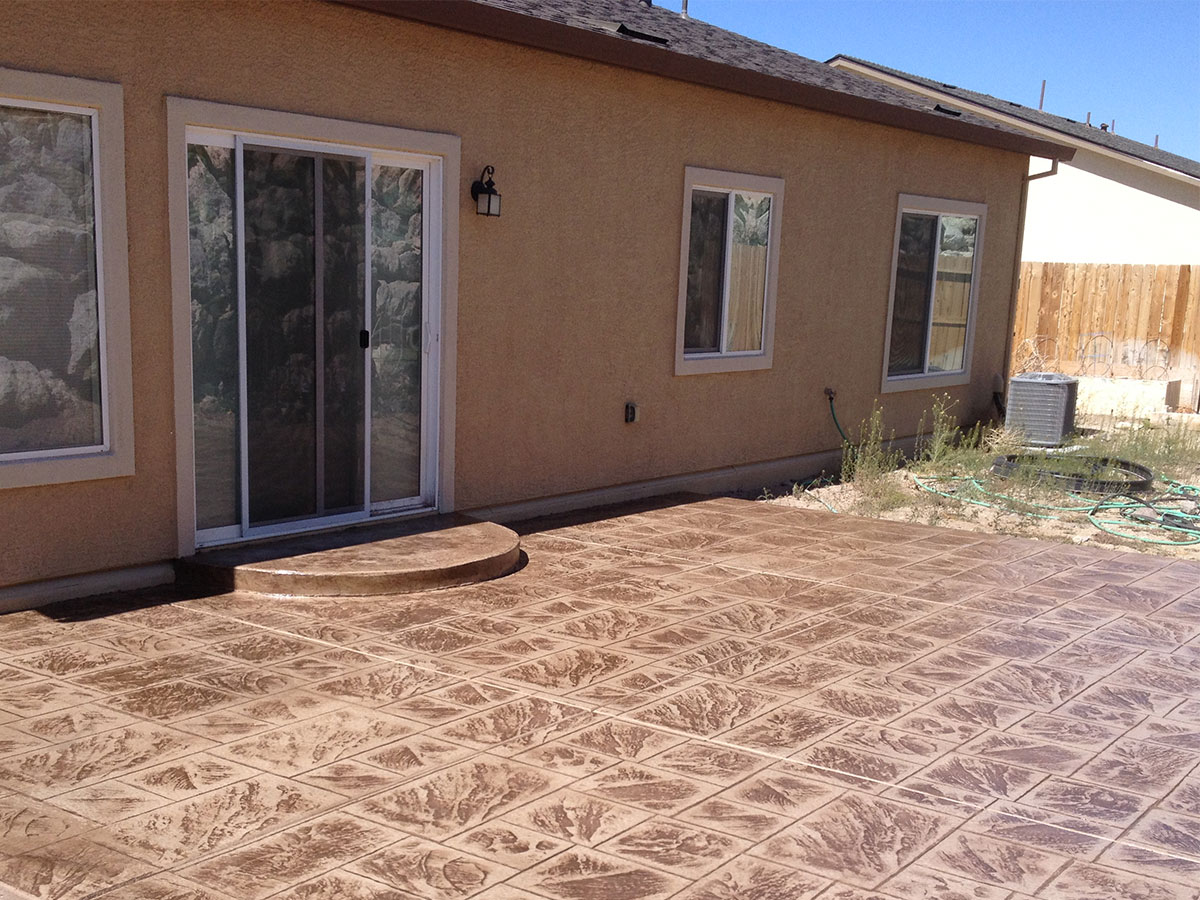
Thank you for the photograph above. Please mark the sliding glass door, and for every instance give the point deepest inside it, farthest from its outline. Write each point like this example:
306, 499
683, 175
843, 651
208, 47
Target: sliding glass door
312, 400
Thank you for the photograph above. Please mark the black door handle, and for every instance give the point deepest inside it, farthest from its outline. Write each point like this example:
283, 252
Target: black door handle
364, 339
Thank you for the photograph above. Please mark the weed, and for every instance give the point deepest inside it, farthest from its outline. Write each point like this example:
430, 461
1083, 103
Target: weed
943, 435
957, 462
947, 449
869, 465
1171, 448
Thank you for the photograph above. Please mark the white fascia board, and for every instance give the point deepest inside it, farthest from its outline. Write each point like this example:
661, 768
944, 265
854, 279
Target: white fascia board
1016, 122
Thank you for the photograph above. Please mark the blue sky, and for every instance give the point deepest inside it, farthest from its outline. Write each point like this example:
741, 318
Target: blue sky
1135, 61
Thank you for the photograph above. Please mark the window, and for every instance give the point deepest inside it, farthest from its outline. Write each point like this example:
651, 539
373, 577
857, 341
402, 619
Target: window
727, 272
64, 345
934, 286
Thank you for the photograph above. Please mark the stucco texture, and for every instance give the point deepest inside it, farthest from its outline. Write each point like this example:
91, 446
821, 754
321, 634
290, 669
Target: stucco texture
567, 303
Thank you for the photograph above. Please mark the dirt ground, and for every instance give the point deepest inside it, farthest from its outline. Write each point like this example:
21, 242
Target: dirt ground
928, 509
1166, 442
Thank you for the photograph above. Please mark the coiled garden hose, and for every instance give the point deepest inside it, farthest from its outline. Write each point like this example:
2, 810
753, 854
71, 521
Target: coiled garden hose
1163, 514
1170, 518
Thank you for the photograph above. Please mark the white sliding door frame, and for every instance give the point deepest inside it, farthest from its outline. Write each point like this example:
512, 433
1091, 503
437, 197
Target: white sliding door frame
437, 156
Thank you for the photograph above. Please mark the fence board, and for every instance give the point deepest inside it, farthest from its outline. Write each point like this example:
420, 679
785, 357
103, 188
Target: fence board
1031, 286
1098, 319
747, 285
1064, 306
1080, 291
1158, 301
1190, 350
1038, 281
1170, 291
1146, 323
1108, 319
1112, 298
1051, 299
1127, 300
1179, 310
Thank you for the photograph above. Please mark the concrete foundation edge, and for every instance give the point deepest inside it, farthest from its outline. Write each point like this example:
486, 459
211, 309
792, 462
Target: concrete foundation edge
750, 476
42, 593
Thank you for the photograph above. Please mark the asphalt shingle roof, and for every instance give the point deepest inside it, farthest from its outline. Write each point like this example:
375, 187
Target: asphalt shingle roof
1060, 124
650, 38
692, 37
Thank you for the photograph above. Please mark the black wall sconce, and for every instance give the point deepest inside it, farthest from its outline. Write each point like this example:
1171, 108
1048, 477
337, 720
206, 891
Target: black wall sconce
484, 193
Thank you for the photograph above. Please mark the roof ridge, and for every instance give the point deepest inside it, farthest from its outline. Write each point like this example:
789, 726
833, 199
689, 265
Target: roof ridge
1064, 125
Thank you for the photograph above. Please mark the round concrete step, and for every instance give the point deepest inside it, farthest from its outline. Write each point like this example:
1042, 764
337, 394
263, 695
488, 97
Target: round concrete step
360, 563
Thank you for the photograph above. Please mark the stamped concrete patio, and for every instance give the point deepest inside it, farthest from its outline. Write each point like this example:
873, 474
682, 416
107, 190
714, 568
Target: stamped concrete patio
716, 699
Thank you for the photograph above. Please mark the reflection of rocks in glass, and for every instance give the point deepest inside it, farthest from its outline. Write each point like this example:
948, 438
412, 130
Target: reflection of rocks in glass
344, 186
280, 217
282, 275
83, 328
396, 277
958, 235
213, 266
41, 410
49, 339
751, 220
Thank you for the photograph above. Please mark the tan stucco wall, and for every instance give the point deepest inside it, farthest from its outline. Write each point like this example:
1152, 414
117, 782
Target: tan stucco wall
567, 303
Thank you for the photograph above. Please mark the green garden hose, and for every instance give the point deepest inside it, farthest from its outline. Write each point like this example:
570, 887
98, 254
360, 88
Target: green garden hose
1161, 519
831, 393
819, 500
1158, 520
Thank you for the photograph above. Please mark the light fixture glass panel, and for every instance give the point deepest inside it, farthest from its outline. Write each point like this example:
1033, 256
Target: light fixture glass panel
487, 204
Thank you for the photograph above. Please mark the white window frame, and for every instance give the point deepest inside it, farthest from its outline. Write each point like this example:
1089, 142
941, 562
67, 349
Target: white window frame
199, 118
700, 363
102, 102
934, 206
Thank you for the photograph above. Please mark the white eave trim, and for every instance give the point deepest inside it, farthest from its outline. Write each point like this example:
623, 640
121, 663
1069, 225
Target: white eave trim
1013, 121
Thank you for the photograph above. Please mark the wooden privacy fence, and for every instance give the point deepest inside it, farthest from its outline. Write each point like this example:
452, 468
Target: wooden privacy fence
948, 327
747, 288
1108, 319
951, 301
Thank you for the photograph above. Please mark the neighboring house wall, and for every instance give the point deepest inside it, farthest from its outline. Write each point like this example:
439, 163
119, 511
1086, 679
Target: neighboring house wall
567, 303
1100, 210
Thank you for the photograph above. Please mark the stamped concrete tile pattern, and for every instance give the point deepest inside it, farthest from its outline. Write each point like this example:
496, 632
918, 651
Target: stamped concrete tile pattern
69, 869
189, 829
683, 699
578, 817
580, 873
465, 794
857, 838
426, 869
